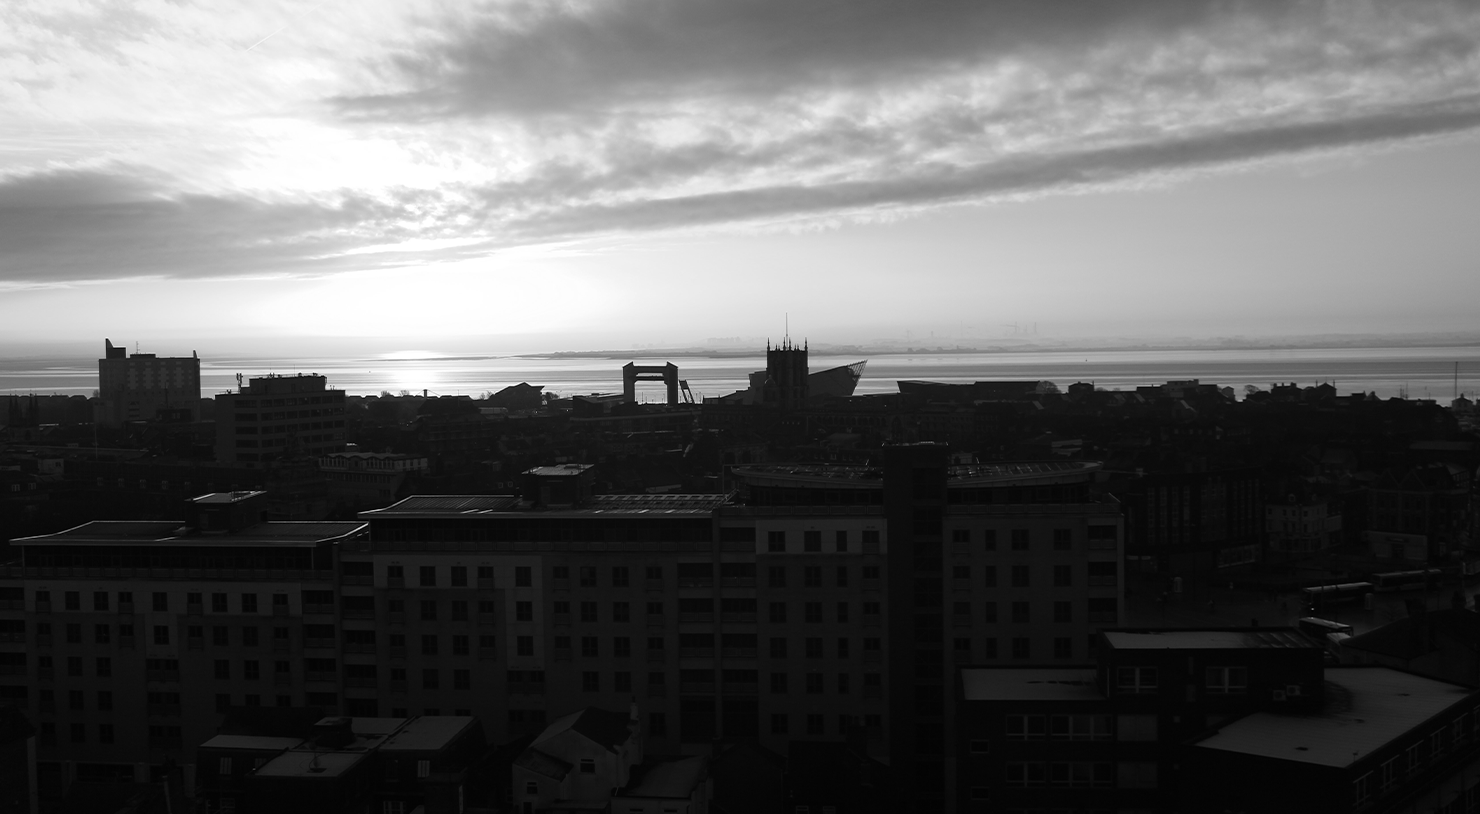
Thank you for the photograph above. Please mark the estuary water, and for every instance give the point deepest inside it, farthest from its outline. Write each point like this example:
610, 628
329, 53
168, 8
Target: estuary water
1418, 372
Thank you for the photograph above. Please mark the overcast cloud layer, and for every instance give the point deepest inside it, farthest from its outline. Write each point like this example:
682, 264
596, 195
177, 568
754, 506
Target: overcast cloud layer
226, 139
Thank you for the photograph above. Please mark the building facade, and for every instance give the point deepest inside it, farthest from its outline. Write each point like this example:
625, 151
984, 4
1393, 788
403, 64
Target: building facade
136, 388
275, 417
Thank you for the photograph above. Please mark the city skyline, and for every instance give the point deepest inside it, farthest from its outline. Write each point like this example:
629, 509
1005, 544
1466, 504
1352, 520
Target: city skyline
604, 175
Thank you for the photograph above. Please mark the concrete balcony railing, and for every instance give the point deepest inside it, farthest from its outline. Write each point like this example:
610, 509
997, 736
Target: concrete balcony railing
747, 616
695, 617
317, 609
696, 652
737, 652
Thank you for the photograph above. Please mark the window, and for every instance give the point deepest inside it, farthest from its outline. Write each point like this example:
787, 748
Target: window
1020, 539
813, 612
1063, 612
523, 576
587, 576
251, 670
989, 648
1226, 680
249, 637
1063, 648
814, 647
621, 612
249, 603
814, 724
221, 636
1362, 789
780, 723
961, 645
429, 678
776, 542
655, 609
1021, 648
588, 611
812, 541
104, 667
657, 723
1102, 574
74, 633
812, 576
1136, 728
589, 647
100, 600
622, 647
459, 575
1135, 775
1135, 680
424, 767
619, 576
72, 600
778, 683
776, 576
1063, 539
778, 648
814, 683
623, 681
591, 681
870, 572
524, 611
842, 576
1063, 576
843, 648
460, 645
223, 669
161, 634
429, 644
74, 666
960, 572
105, 733
524, 645
840, 542
1102, 610
560, 572
459, 610
462, 679
428, 610
1025, 775
1020, 576
654, 572
531, 787
1021, 613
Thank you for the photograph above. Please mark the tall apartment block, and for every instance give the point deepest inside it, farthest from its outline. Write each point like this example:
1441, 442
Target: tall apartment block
136, 388
815, 602
275, 417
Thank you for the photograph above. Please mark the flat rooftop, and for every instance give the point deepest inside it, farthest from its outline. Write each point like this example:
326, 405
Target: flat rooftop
1029, 684
265, 743
450, 506
1365, 708
427, 733
1230, 639
310, 763
274, 533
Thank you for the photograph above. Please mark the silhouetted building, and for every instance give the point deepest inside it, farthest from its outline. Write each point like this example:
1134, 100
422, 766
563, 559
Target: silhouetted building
136, 388
276, 417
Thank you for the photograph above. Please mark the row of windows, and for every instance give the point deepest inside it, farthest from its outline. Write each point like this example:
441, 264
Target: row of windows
1099, 537
1125, 775
777, 541
160, 601
1414, 758
1098, 574
1020, 647
1216, 680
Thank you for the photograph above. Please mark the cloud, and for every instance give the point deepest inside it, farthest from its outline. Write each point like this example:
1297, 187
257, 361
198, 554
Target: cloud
152, 143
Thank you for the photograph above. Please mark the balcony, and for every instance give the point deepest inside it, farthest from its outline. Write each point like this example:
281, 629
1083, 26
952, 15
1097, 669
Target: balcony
12, 669
356, 647
356, 580
705, 687
320, 643
1103, 581
12, 604
748, 616
526, 688
696, 652
315, 608
696, 582
870, 547
695, 617
321, 675
359, 613
164, 742
737, 582
742, 687
360, 683
737, 652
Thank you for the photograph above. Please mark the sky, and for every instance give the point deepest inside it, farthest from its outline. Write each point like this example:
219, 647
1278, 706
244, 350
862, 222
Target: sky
563, 174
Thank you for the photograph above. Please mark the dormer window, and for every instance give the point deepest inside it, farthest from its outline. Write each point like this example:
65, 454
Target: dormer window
588, 766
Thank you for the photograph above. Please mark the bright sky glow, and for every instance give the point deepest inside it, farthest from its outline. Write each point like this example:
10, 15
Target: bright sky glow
632, 171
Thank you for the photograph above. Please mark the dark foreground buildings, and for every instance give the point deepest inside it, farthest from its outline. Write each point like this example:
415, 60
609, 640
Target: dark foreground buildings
816, 603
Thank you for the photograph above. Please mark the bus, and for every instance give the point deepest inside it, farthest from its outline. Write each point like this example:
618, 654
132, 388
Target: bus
1406, 580
1323, 596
